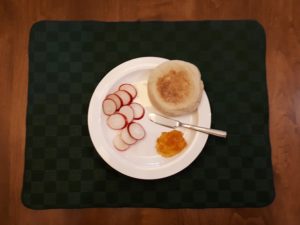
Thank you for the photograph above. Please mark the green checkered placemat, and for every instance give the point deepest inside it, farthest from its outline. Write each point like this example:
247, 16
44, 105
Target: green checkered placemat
66, 62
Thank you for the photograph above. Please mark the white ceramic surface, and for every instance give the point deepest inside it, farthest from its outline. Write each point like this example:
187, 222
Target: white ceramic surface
141, 159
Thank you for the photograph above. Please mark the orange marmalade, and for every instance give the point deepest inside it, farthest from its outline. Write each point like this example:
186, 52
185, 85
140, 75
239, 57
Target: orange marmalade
170, 143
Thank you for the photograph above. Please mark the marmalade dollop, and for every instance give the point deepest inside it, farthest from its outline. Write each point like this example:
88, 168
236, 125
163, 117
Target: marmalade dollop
170, 143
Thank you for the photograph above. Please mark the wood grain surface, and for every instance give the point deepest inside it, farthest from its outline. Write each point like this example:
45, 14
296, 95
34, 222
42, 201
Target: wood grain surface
281, 20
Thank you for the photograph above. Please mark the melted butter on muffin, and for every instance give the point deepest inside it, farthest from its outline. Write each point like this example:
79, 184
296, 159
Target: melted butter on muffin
174, 86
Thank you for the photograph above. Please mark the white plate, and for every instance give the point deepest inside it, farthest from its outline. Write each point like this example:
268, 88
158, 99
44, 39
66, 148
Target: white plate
141, 159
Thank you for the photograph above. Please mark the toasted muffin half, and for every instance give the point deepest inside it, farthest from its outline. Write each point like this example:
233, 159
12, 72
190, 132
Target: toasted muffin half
175, 87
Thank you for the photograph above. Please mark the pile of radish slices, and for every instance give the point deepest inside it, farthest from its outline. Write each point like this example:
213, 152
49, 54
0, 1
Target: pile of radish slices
122, 113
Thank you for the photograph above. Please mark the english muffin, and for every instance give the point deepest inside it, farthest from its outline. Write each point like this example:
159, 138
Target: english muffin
175, 87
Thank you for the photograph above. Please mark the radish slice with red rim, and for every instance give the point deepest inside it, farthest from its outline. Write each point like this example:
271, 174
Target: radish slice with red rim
125, 136
109, 107
129, 88
119, 144
136, 131
127, 111
116, 99
117, 121
138, 110
124, 96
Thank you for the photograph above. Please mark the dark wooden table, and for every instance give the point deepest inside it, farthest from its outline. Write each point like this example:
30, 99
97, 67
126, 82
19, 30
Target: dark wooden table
281, 19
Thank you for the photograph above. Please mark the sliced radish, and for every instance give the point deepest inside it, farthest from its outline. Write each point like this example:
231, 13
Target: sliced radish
125, 136
127, 111
109, 107
136, 131
129, 88
117, 121
138, 110
116, 99
125, 97
119, 144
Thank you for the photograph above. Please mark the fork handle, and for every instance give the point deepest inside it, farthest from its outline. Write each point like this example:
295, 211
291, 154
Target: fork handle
218, 133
